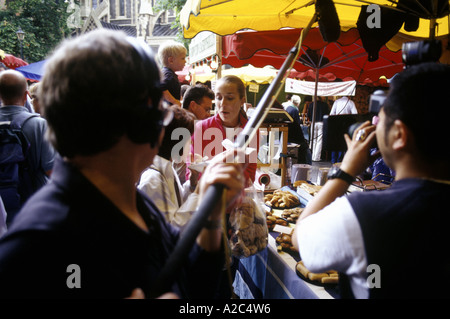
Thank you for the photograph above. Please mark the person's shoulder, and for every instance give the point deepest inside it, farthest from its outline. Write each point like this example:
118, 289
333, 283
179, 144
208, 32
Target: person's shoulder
291, 109
44, 211
167, 71
210, 121
16, 112
157, 214
153, 175
35, 125
31, 118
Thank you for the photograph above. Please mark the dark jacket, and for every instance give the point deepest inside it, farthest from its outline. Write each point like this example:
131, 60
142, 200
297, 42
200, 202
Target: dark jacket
69, 229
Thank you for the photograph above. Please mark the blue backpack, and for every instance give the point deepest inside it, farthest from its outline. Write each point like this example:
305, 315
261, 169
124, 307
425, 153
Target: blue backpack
15, 180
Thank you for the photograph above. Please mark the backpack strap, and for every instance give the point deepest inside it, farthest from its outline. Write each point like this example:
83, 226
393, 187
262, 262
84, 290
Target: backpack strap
20, 119
16, 125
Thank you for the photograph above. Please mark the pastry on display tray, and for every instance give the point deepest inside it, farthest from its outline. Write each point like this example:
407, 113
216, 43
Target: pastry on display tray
272, 220
292, 214
306, 190
307, 187
286, 217
330, 277
281, 199
284, 242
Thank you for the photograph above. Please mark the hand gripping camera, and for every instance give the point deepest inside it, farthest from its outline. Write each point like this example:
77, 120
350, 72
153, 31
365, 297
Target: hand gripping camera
336, 126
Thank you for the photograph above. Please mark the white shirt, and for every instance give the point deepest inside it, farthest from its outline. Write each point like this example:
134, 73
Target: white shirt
343, 106
158, 182
286, 104
332, 239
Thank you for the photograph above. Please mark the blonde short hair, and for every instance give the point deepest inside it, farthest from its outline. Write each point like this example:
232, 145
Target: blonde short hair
34, 89
170, 49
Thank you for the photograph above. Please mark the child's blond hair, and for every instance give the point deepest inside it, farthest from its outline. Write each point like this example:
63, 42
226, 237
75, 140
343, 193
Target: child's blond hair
170, 49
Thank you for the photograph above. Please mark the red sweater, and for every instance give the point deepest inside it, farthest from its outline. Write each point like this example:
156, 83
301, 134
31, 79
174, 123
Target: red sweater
207, 141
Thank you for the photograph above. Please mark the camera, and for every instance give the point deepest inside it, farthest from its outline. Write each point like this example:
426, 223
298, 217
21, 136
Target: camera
377, 100
336, 126
421, 51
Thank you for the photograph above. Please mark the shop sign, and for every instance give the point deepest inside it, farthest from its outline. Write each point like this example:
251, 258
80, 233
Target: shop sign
253, 88
203, 45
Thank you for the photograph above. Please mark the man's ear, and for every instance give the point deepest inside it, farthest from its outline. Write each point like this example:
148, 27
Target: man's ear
192, 106
25, 96
401, 135
160, 138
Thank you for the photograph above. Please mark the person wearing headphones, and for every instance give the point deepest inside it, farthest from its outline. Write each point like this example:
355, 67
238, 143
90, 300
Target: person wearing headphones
90, 233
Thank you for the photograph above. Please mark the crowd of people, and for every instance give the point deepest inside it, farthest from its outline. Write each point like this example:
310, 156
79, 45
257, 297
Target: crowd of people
113, 156
106, 125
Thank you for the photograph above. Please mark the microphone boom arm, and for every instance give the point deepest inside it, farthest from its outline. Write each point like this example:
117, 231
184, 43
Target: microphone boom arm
213, 194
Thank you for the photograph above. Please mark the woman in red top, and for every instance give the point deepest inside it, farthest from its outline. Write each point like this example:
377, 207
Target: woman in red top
228, 122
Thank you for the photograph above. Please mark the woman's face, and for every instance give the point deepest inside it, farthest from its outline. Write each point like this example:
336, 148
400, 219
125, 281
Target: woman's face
228, 103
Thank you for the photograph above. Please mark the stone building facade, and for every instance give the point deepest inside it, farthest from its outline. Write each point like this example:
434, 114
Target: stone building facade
136, 17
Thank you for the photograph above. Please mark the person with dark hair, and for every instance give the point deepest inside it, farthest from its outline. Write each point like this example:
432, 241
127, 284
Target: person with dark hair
288, 100
184, 88
198, 100
295, 134
375, 238
207, 84
161, 182
90, 233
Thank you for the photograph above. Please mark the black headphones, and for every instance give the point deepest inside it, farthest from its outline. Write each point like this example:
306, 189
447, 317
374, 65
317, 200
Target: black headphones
147, 119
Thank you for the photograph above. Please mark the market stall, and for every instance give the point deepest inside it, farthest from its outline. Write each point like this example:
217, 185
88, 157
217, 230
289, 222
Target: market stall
271, 274
277, 271
345, 58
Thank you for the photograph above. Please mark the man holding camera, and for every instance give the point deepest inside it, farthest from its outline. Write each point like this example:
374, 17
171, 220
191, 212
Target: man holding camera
379, 241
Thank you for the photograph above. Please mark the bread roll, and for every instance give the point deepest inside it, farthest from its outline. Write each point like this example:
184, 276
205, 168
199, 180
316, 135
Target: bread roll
317, 277
330, 280
302, 269
281, 199
328, 277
